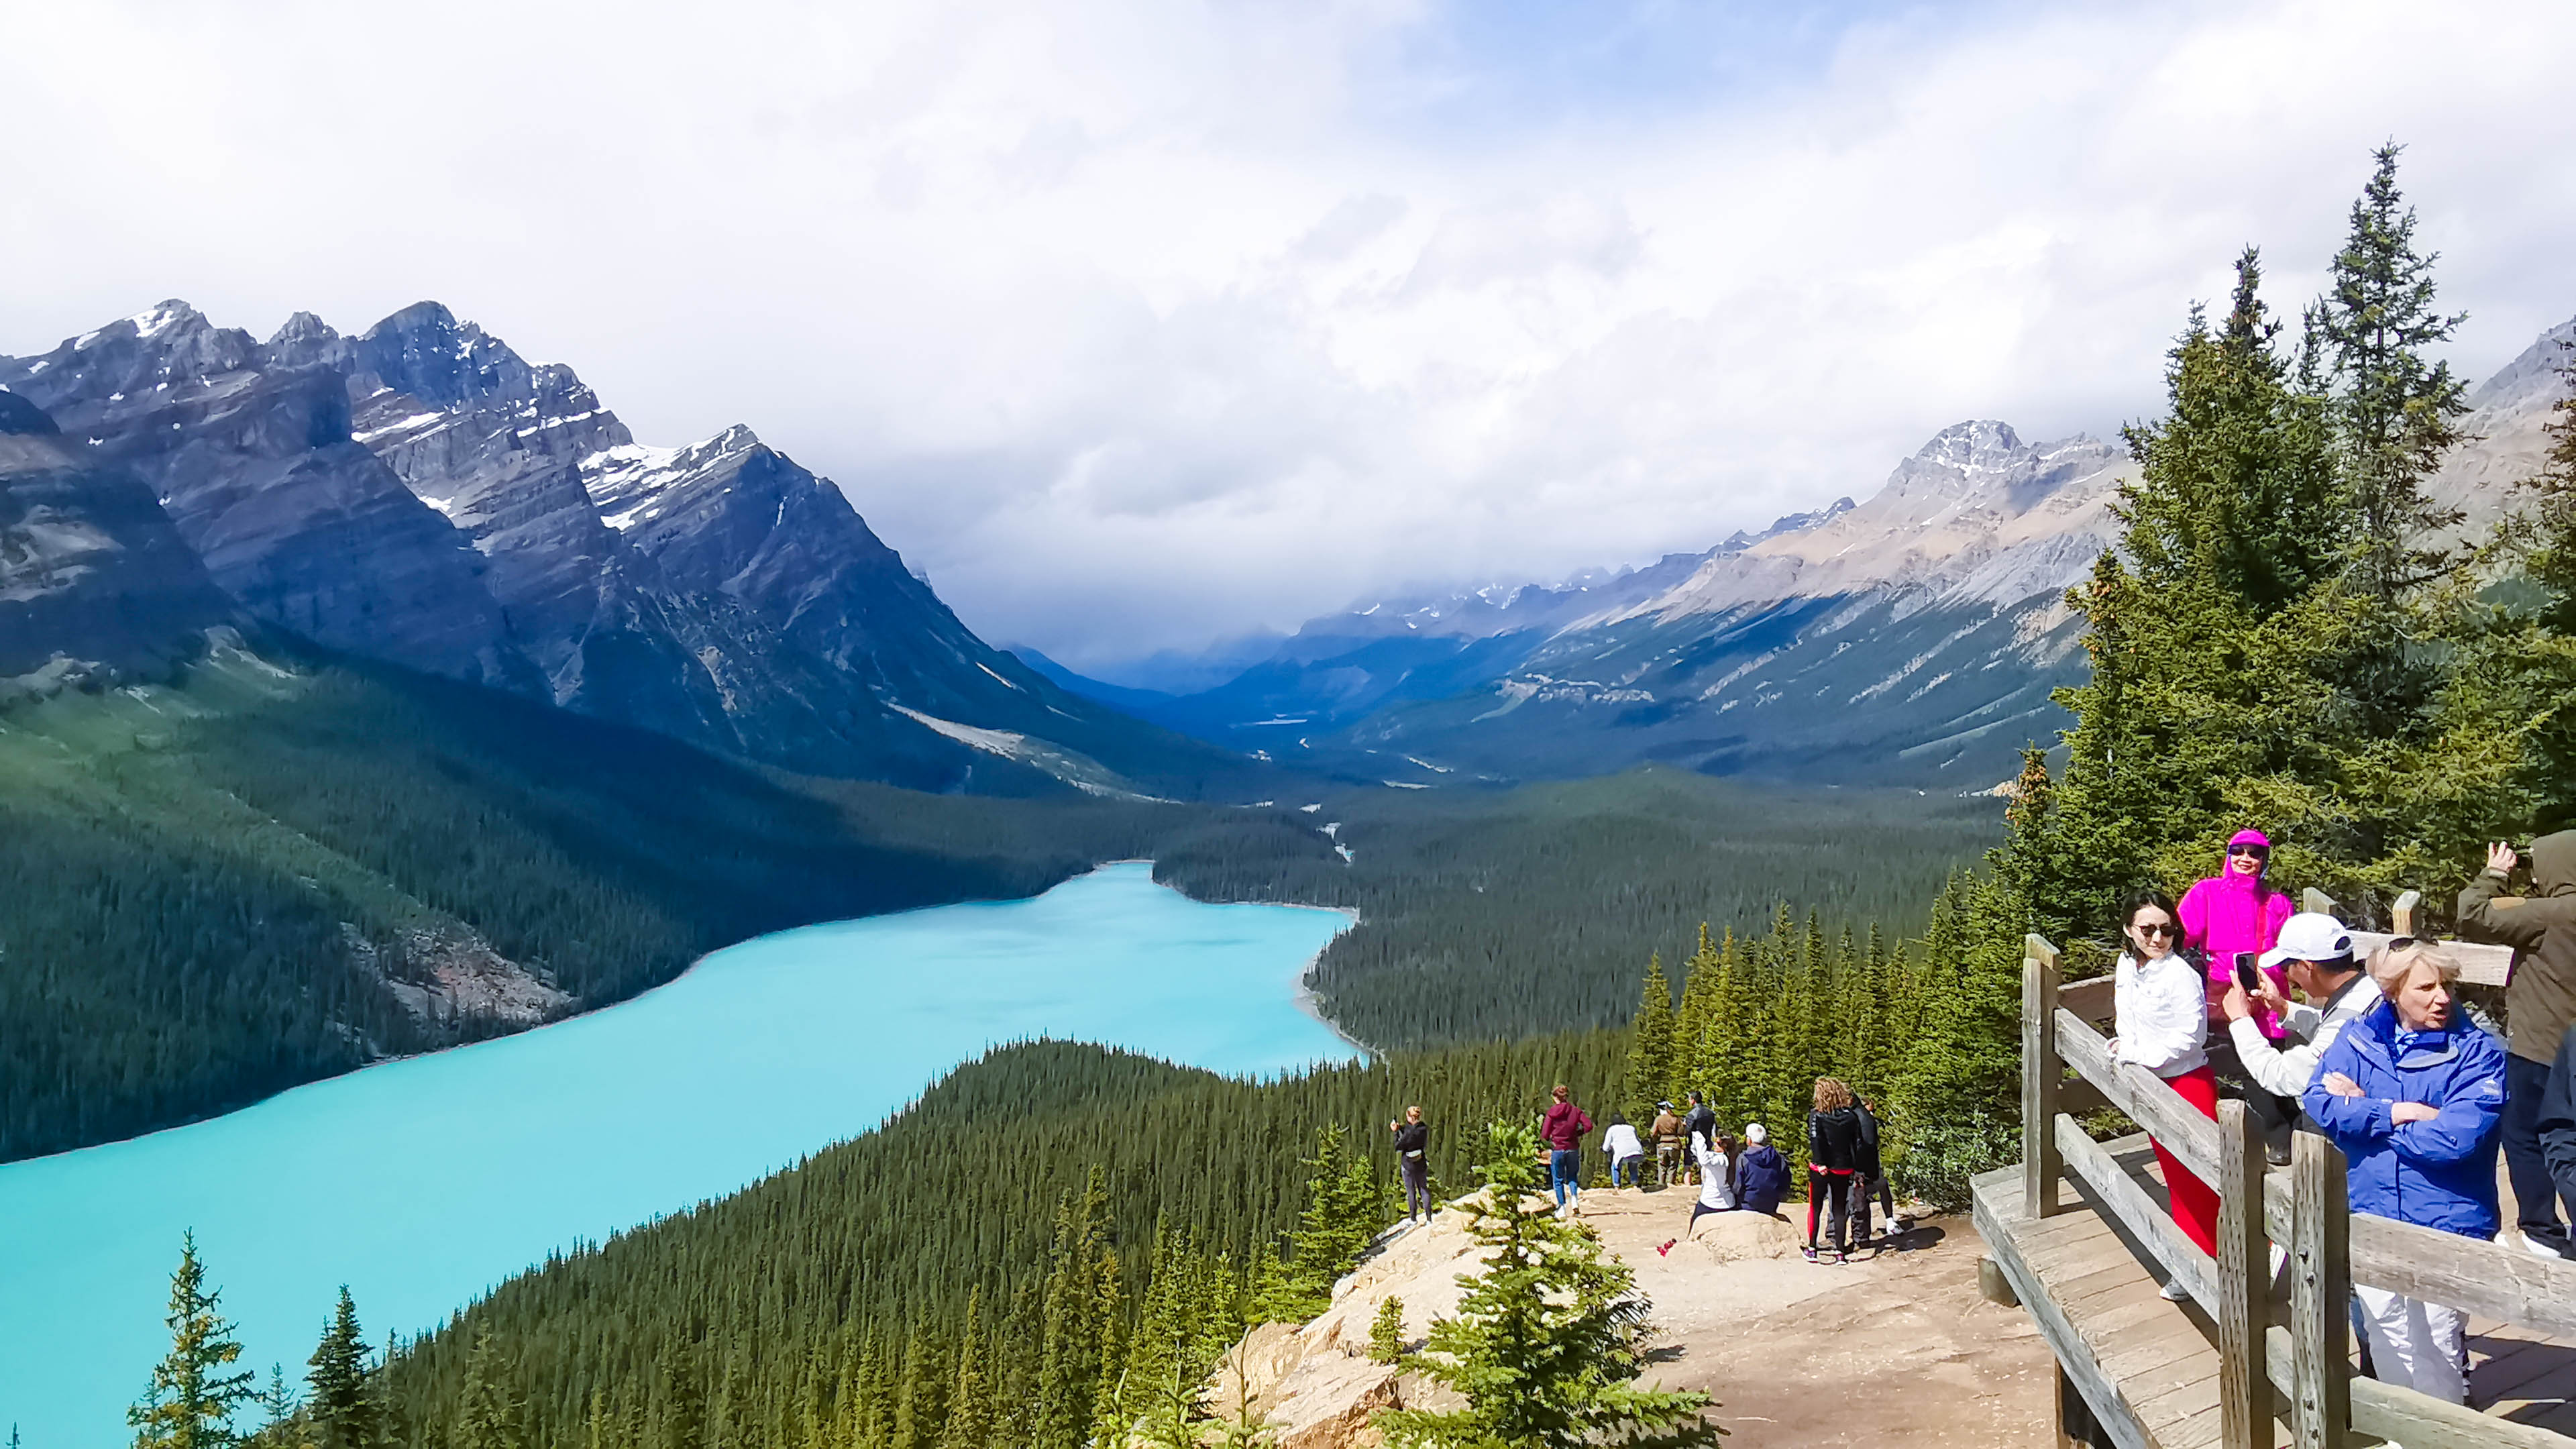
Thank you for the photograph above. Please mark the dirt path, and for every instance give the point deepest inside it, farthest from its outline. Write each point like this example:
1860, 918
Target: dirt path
1896, 1350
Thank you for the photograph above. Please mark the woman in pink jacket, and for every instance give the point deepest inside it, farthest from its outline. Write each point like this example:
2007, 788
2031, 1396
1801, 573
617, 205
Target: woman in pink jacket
2233, 911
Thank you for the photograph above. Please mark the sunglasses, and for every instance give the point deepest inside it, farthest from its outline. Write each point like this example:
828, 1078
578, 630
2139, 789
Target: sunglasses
2255, 851
2160, 928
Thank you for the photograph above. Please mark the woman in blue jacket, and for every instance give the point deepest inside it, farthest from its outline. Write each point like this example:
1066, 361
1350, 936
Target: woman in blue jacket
2414, 1097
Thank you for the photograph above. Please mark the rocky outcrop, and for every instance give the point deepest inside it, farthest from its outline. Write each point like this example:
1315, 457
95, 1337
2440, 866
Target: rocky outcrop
95, 582
453, 982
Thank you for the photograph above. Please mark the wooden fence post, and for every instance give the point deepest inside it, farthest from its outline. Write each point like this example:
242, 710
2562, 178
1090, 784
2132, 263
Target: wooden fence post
2320, 1295
2401, 916
2040, 1166
2317, 901
2243, 1308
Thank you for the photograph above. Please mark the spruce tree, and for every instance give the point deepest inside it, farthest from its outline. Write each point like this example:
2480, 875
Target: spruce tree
1650, 1060
2396, 411
345, 1409
970, 1404
1386, 1331
1545, 1347
487, 1411
191, 1400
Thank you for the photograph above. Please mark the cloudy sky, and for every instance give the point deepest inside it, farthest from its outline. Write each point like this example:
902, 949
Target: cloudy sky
1136, 324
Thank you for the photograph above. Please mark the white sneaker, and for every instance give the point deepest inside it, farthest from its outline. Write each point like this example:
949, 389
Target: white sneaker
2537, 1247
2174, 1292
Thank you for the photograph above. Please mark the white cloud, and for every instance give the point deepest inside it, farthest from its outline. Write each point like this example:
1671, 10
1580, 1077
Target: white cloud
1140, 323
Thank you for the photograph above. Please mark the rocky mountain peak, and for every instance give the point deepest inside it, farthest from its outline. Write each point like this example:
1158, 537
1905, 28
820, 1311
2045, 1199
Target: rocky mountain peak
1976, 443
424, 351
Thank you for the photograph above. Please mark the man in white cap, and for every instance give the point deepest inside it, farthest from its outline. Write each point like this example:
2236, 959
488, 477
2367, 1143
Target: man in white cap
2316, 954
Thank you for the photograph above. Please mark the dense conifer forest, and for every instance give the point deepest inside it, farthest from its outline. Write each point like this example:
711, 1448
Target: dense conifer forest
196, 881
1001, 1240
1491, 915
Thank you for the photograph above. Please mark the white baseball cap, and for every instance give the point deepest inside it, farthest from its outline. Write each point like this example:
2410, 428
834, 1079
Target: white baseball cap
2310, 936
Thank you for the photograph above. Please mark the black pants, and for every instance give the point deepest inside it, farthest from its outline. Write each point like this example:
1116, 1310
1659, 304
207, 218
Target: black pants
1838, 1195
2535, 1193
2274, 1115
1417, 1186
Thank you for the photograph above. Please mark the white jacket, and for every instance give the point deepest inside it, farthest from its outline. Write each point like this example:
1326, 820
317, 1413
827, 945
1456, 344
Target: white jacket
2162, 1015
1716, 1182
2287, 1071
1621, 1142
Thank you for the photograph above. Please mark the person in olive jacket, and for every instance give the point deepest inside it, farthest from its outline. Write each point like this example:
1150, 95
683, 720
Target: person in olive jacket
2541, 1002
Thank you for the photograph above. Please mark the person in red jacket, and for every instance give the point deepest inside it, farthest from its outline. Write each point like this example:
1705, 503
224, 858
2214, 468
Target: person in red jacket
1562, 1130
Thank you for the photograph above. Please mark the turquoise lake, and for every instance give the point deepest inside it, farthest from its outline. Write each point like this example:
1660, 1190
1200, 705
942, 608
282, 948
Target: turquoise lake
422, 1183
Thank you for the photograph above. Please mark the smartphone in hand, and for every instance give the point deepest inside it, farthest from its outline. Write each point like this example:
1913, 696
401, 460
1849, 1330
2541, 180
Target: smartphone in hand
2245, 975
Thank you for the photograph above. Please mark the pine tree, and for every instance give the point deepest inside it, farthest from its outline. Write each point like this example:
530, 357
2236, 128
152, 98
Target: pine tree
487, 1411
1650, 1060
1386, 1331
345, 1408
1070, 1348
1345, 1208
191, 1401
1545, 1345
2396, 412
279, 1428
970, 1405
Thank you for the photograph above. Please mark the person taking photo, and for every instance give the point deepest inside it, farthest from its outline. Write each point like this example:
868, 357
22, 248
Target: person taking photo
2316, 955
2541, 1001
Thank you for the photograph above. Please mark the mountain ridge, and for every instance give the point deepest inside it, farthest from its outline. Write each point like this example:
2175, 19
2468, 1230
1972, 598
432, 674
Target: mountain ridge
420, 493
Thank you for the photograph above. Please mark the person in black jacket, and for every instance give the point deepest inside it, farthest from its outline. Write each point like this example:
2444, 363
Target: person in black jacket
1869, 1180
1413, 1161
1833, 1165
2558, 1118
1699, 1122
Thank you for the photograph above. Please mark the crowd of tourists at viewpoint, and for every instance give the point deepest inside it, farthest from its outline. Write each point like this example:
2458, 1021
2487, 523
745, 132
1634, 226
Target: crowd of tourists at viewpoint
2232, 992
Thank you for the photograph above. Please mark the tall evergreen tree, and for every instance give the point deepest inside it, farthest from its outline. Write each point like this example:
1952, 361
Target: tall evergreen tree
345, 1409
487, 1412
1650, 1060
191, 1401
970, 1399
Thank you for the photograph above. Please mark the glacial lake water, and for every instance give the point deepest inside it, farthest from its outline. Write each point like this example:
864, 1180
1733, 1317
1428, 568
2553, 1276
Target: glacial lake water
422, 1183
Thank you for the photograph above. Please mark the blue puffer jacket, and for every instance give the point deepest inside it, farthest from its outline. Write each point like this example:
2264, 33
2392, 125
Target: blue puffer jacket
2438, 1174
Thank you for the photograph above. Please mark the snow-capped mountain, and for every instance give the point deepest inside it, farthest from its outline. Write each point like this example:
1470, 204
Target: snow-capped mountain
420, 493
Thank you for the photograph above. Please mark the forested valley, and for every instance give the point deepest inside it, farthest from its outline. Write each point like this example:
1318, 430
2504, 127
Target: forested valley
205, 887
1489, 915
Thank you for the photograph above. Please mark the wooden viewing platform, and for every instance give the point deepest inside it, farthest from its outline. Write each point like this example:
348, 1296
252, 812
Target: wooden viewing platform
2079, 1233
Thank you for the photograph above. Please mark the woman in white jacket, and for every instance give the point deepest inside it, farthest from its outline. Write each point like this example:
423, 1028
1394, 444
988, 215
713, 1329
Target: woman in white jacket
2163, 1021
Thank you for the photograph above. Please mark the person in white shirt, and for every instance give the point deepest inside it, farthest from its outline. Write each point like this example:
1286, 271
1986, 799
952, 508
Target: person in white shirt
2316, 951
1716, 1182
1625, 1151
2163, 1026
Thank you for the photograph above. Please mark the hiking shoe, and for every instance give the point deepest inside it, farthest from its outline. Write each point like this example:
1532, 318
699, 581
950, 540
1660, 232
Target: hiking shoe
1810, 1252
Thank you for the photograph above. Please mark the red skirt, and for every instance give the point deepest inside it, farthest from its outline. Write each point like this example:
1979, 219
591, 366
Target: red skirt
2195, 1203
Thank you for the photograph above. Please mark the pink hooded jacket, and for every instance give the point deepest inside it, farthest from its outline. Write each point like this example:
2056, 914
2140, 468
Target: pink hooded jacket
2228, 913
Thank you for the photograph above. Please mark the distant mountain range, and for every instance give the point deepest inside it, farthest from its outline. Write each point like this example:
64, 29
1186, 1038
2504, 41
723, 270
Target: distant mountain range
418, 493
1912, 639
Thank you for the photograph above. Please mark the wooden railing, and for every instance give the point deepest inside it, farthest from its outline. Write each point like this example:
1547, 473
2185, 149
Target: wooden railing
2304, 1362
